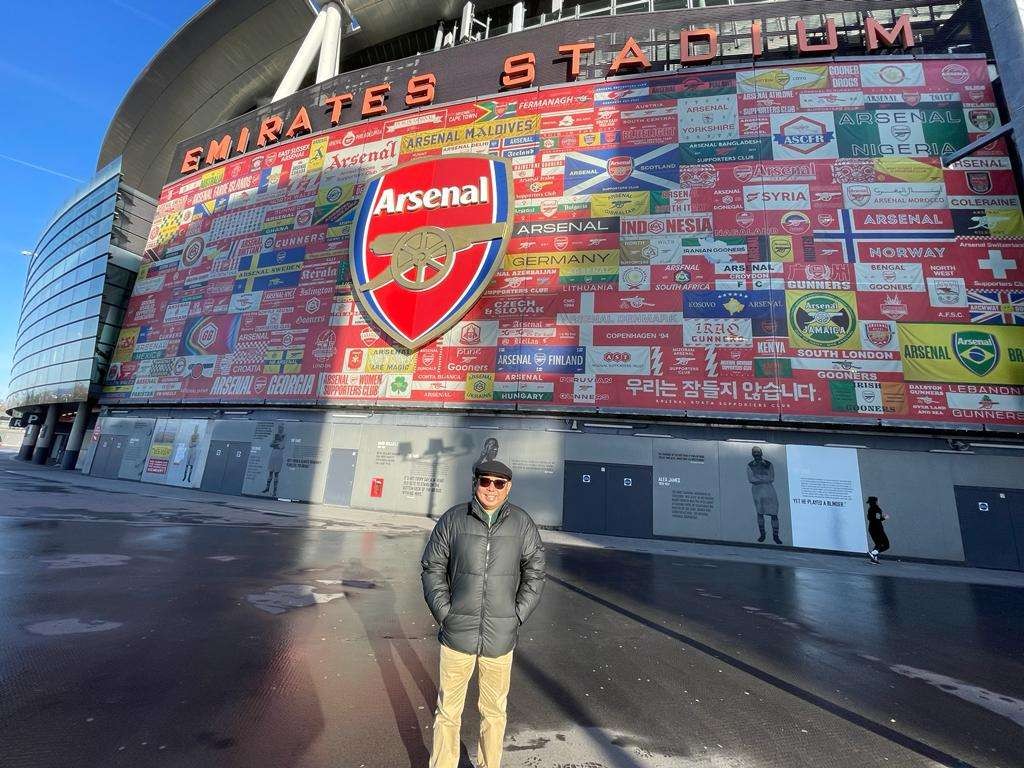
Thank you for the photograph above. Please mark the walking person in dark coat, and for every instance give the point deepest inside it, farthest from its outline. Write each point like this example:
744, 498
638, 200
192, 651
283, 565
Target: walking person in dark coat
483, 572
876, 530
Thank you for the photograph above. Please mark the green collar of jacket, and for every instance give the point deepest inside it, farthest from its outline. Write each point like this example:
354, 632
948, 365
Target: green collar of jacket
488, 517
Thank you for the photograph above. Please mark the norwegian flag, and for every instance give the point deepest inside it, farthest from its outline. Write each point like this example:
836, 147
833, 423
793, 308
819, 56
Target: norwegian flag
515, 145
996, 307
847, 234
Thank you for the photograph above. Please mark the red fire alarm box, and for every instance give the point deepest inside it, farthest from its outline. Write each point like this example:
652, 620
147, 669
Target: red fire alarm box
376, 487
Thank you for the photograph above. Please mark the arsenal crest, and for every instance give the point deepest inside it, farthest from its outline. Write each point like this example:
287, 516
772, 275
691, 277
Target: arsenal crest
620, 167
427, 239
977, 351
982, 119
979, 182
878, 333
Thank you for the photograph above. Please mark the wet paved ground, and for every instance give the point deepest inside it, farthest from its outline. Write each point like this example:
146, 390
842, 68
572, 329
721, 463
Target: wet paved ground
148, 628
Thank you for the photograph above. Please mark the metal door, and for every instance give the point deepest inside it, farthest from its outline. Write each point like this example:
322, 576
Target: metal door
216, 461
109, 454
1015, 502
987, 526
341, 473
630, 503
60, 440
235, 461
584, 498
99, 459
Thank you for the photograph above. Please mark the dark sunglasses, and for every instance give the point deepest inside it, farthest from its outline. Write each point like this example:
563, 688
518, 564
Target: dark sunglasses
499, 483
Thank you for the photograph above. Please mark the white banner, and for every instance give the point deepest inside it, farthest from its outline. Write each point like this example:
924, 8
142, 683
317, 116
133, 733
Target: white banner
826, 502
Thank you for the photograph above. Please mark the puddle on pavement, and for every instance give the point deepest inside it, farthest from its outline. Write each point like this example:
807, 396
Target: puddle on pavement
594, 748
1000, 704
84, 561
288, 597
72, 626
357, 583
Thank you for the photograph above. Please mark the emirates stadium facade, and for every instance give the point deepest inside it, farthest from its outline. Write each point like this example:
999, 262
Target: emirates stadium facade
714, 272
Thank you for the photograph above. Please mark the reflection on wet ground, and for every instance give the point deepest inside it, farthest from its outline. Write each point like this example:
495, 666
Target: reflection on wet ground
129, 638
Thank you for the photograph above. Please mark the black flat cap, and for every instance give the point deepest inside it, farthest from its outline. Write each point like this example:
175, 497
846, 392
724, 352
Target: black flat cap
493, 469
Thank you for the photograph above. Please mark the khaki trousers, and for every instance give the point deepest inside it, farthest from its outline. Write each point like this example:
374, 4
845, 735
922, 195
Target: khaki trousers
456, 671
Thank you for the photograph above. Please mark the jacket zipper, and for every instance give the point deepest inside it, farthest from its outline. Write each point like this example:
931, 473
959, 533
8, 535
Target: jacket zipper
483, 595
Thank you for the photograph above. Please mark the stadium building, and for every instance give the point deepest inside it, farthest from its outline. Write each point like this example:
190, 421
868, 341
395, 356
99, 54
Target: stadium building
698, 270
80, 277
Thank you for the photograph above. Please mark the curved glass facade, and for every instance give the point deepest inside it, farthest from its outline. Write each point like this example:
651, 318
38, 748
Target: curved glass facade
76, 289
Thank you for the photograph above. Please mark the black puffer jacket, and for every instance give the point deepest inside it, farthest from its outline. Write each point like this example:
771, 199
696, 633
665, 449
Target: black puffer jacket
481, 583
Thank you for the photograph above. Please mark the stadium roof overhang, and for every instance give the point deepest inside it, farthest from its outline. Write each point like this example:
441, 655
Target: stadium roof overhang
228, 57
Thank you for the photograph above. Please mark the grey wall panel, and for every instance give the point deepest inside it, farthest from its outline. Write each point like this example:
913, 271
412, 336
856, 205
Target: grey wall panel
537, 462
140, 434
233, 429
306, 463
177, 453
117, 425
987, 471
347, 433
417, 470
740, 522
687, 499
88, 454
426, 470
916, 490
288, 459
615, 449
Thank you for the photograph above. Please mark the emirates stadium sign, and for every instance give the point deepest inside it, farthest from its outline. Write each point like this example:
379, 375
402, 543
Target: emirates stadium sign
519, 70
427, 239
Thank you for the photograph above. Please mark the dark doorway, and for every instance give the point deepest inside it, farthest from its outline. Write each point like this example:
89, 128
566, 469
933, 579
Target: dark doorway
60, 441
630, 507
583, 500
225, 467
341, 474
109, 453
992, 526
612, 499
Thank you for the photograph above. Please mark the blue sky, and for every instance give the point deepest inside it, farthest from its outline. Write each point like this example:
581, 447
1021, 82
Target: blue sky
64, 67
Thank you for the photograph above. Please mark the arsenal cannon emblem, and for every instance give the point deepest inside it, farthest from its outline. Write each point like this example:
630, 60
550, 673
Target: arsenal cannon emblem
427, 238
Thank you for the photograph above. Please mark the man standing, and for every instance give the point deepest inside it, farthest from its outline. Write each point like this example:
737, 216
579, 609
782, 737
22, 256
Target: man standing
483, 572
761, 476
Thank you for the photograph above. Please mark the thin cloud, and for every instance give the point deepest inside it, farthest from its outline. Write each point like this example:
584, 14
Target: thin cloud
42, 168
141, 14
46, 84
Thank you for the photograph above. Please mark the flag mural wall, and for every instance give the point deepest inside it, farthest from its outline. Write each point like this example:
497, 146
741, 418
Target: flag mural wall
771, 241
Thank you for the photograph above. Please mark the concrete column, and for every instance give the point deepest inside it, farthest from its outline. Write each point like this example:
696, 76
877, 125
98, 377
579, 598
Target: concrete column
330, 49
28, 442
303, 59
1005, 20
42, 451
74, 446
518, 18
